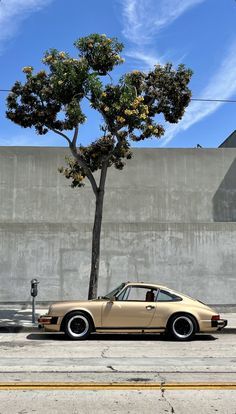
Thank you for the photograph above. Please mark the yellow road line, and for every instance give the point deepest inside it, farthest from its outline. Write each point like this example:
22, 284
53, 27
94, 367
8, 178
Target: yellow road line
56, 386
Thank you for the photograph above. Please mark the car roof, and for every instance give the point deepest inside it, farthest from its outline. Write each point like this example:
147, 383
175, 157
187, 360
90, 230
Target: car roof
148, 284
151, 285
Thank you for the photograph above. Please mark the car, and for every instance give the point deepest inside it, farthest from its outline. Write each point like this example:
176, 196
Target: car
136, 307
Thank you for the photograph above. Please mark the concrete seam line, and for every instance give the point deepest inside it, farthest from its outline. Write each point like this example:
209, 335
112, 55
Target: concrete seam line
116, 386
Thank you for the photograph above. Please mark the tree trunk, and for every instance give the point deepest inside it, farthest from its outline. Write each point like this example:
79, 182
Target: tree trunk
94, 273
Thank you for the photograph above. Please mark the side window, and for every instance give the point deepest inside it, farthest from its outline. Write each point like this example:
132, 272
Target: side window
138, 293
164, 296
124, 294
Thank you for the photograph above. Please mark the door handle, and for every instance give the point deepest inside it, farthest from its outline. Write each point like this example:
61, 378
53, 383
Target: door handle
149, 307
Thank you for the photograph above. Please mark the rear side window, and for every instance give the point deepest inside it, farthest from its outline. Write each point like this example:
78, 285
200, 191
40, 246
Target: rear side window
164, 296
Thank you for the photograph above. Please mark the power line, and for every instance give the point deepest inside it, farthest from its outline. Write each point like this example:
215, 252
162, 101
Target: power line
213, 100
192, 99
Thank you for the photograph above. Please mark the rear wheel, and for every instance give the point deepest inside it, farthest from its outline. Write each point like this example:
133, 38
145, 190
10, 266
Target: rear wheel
77, 326
182, 327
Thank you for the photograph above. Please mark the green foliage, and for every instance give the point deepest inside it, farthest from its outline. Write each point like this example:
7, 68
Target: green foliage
101, 52
73, 171
51, 100
94, 155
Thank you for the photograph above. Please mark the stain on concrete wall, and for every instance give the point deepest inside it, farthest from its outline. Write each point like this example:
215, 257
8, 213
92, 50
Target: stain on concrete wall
224, 200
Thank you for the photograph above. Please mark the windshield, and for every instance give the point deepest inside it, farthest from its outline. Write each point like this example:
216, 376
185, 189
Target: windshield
114, 291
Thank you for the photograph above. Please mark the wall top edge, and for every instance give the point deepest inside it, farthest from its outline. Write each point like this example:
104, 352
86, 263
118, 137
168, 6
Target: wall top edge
34, 149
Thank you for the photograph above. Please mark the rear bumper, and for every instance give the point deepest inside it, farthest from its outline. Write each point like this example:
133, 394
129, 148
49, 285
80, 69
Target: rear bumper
220, 324
209, 326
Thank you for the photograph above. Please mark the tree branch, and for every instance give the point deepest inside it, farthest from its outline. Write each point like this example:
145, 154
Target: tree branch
75, 136
61, 133
77, 156
83, 165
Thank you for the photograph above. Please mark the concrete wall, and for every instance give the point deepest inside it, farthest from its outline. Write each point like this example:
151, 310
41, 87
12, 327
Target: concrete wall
169, 217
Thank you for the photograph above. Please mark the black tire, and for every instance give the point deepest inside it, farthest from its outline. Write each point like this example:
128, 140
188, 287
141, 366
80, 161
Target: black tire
77, 326
182, 327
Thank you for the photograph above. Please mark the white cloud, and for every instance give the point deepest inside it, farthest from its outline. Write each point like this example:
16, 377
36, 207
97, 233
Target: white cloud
13, 12
31, 139
144, 18
221, 86
17, 140
148, 59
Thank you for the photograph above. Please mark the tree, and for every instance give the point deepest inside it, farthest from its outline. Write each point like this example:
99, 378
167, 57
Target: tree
51, 101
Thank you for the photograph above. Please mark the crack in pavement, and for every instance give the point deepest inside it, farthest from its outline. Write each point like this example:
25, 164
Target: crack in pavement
104, 351
163, 395
113, 369
162, 379
165, 399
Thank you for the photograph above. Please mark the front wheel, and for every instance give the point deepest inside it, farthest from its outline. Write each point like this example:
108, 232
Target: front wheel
77, 326
182, 327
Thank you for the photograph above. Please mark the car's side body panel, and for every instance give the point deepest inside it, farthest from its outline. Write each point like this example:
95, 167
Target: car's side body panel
127, 314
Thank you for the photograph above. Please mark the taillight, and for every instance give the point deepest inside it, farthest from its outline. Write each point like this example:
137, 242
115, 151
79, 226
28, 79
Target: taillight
215, 317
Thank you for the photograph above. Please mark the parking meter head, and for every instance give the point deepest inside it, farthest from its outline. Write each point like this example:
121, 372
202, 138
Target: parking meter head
34, 287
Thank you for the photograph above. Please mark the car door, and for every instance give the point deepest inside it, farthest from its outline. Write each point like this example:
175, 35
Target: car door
132, 309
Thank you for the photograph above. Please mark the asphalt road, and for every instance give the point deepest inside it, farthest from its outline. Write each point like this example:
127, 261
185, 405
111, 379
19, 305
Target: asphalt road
133, 360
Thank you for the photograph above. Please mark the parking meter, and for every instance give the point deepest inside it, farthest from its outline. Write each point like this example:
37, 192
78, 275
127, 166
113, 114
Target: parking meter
34, 293
34, 287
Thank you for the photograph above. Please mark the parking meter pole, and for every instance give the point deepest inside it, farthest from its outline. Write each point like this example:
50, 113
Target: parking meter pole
33, 309
34, 292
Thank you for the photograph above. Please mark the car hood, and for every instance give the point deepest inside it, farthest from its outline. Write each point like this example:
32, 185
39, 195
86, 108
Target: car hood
56, 308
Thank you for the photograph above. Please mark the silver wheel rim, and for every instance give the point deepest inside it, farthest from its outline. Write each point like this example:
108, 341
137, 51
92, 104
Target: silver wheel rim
183, 327
78, 326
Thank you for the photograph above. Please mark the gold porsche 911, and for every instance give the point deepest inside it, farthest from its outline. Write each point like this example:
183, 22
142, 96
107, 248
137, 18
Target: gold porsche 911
133, 307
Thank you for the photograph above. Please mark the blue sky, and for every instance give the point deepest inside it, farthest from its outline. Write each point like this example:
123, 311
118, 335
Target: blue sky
198, 33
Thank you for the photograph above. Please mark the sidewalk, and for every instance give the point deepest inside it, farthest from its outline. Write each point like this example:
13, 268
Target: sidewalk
15, 319
18, 319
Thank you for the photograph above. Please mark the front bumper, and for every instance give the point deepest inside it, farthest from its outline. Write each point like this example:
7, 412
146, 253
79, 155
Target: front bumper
47, 320
220, 324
